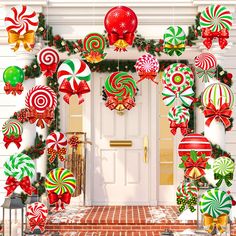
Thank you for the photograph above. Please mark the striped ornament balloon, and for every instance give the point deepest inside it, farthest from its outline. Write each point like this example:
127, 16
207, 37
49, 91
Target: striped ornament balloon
216, 18
56, 140
218, 94
19, 166
178, 76
205, 61
223, 165
12, 127
178, 114
60, 181
187, 191
215, 203
196, 142
174, 35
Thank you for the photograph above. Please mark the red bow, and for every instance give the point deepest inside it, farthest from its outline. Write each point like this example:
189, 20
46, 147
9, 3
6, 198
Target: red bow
113, 37
74, 141
183, 127
37, 223
48, 70
53, 153
12, 139
24, 184
54, 198
113, 102
222, 114
46, 116
147, 75
18, 89
195, 169
222, 35
79, 89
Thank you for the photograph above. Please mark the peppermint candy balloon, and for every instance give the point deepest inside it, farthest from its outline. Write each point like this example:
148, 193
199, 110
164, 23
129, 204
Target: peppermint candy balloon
48, 59
41, 97
19, 166
218, 94
60, 181
205, 61
37, 211
216, 18
174, 35
94, 45
178, 76
147, 66
21, 19
215, 203
12, 127
56, 140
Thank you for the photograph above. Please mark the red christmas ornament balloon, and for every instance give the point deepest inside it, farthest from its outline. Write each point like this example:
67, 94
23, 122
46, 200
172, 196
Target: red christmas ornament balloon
196, 142
120, 23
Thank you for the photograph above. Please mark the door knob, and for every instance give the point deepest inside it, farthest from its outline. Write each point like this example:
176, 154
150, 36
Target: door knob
145, 146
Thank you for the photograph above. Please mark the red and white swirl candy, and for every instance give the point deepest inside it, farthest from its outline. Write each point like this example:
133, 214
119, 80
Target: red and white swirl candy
37, 211
205, 61
56, 140
48, 56
147, 63
21, 19
41, 97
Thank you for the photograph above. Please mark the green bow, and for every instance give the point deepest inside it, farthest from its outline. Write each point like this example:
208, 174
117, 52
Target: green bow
190, 203
205, 75
226, 178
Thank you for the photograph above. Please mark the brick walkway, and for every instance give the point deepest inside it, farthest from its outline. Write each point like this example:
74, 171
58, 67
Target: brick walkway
117, 221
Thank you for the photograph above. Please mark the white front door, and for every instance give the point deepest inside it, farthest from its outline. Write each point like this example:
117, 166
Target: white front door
120, 174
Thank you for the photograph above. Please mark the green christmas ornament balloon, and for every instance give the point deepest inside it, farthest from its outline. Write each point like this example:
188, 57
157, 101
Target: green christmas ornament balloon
13, 76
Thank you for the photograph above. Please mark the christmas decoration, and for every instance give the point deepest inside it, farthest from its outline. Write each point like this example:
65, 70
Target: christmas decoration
60, 184
223, 168
120, 23
72, 76
56, 143
147, 67
187, 196
13, 76
215, 203
174, 39
48, 59
205, 65
185, 96
196, 142
41, 102
120, 89
21, 23
94, 45
12, 130
179, 118
178, 76
215, 21
194, 165
37, 214
74, 141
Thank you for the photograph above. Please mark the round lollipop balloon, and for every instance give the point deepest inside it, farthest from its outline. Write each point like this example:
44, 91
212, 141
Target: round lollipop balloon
60, 181
178, 76
147, 67
120, 89
216, 18
21, 19
196, 142
94, 45
19, 166
121, 23
215, 203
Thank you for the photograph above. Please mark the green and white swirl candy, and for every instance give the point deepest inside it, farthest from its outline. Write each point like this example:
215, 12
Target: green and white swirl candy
12, 127
174, 35
215, 203
223, 166
19, 166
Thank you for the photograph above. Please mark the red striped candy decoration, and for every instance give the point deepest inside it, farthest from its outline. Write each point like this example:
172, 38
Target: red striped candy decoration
205, 61
195, 142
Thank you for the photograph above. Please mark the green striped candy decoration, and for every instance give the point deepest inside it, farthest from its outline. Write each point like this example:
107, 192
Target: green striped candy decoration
174, 35
218, 94
215, 202
19, 166
223, 166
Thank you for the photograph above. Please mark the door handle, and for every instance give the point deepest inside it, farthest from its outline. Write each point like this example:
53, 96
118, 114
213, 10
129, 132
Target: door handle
145, 149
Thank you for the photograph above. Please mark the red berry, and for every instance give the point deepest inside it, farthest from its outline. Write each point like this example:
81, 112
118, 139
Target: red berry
229, 76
